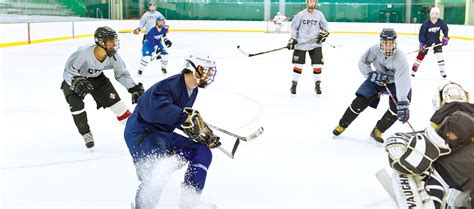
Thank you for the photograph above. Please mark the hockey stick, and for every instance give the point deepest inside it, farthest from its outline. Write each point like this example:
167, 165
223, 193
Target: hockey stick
231, 154
259, 53
333, 46
395, 102
154, 55
428, 48
386, 181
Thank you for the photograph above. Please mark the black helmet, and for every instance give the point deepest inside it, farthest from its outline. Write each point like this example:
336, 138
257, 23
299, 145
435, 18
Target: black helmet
388, 34
102, 35
388, 42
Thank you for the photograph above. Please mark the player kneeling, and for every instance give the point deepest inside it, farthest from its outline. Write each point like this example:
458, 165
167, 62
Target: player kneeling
428, 163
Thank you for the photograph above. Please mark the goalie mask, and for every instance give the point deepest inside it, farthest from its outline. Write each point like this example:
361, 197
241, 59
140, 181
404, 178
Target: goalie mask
457, 130
106, 38
203, 67
388, 42
450, 92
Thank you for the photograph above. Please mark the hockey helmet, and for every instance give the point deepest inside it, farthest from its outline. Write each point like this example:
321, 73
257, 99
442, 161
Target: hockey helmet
449, 92
388, 42
104, 34
160, 18
203, 67
434, 13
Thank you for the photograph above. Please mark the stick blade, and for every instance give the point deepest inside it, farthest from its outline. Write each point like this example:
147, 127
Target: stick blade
386, 181
242, 51
253, 135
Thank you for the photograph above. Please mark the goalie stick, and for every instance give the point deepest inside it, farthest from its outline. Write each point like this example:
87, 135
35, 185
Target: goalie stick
231, 154
386, 181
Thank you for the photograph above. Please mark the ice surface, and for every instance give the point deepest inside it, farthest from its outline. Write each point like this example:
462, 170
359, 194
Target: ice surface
296, 163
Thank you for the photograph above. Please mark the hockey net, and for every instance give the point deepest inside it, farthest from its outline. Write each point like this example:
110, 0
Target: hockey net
272, 28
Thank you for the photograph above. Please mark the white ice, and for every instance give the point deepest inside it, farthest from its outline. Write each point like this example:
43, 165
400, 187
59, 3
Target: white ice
296, 163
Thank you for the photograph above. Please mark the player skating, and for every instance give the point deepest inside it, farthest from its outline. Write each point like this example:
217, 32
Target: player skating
391, 72
153, 48
83, 74
429, 37
149, 135
148, 19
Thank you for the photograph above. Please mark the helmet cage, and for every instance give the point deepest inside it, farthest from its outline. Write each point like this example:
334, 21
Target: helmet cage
204, 75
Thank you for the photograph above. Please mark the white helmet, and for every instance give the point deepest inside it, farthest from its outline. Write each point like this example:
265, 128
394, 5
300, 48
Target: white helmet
202, 66
434, 12
450, 92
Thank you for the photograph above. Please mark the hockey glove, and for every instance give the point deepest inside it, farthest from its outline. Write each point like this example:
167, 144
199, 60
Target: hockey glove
444, 41
423, 47
196, 129
136, 92
136, 31
291, 44
378, 77
81, 86
403, 112
322, 36
167, 42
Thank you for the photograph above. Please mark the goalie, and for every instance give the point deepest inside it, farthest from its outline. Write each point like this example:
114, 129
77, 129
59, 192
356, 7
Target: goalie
150, 135
428, 163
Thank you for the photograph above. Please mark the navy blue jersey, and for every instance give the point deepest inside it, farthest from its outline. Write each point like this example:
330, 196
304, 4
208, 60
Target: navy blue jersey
161, 106
429, 32
155, 37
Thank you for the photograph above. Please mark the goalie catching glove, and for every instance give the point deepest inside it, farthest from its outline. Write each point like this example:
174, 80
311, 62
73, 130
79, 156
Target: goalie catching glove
195, 128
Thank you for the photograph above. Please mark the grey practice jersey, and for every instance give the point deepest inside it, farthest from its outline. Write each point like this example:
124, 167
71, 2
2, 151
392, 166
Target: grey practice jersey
305, 29
148, 20
83, 63
395, 67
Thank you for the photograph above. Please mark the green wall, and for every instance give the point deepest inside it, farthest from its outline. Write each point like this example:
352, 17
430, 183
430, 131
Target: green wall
393, 11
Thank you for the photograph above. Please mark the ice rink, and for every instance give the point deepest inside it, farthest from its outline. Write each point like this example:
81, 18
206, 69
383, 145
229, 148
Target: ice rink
296, 163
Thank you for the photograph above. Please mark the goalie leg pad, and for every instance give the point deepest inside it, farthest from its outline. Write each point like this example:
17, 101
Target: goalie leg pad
458, 199
437, 189
406, 191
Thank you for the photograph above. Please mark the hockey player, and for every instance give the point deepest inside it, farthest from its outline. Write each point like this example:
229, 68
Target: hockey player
309, 29
391, 71
441, 156
149, 133
148, 19
278, 21
429, 36
153, 47
83, 74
